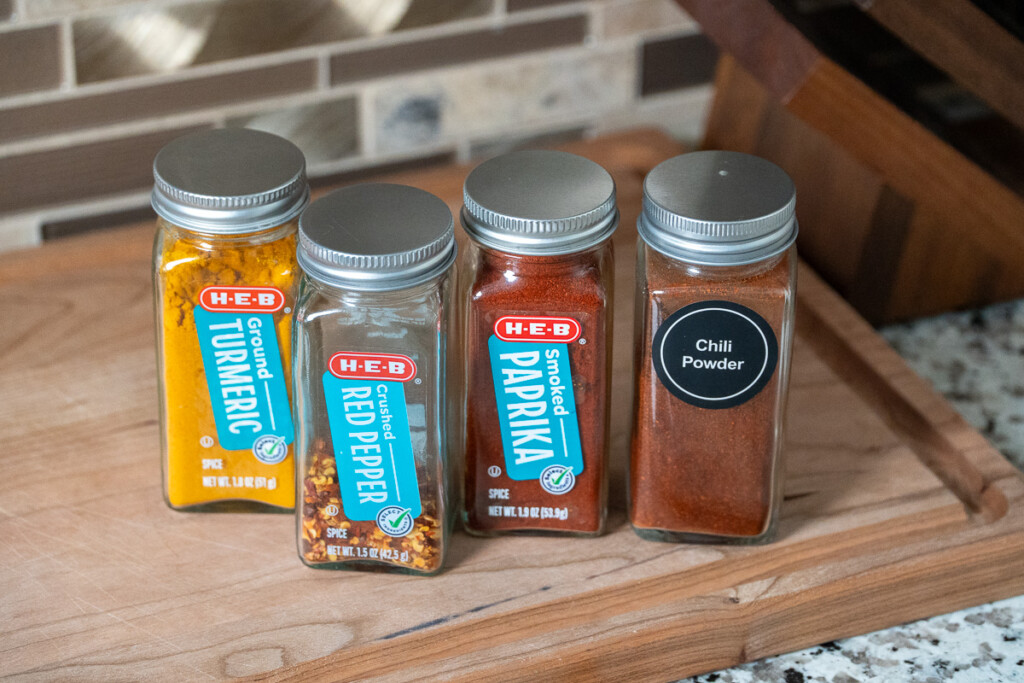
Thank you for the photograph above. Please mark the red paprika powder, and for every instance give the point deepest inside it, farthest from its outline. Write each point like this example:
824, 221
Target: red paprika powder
716, 274
536, 287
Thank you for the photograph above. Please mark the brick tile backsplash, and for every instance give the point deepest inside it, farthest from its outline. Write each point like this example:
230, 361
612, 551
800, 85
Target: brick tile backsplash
677, 62
357, 175
491, 147
458, 48
520, 5
54, 9
29, 60
632, 17
179, 36
410, 114
422, 13
81, 172
75, 226
325, 131
91, 89
136, 104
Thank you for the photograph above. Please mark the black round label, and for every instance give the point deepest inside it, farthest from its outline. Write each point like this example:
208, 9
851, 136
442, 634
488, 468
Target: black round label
715, 354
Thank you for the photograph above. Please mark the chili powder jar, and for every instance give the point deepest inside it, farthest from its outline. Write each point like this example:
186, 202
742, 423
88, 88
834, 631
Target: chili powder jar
536, 286
371, 396
716, 277
224, 277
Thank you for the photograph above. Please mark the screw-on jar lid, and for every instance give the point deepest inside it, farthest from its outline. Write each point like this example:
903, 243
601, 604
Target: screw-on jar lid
539, 202
376, 236
718, 208
229, 181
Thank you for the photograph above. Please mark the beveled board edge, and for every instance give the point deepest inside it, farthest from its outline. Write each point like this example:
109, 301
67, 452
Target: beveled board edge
713, 617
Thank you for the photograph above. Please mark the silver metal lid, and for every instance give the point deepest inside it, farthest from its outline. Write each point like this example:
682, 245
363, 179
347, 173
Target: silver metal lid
229, 181
718, 208
539, 202
376, 236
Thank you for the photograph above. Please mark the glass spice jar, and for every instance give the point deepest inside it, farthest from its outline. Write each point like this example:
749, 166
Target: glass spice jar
370, 363
716, 278
224, 277
536, 286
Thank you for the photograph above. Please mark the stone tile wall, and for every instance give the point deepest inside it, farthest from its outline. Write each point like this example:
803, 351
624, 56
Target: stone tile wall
91, 89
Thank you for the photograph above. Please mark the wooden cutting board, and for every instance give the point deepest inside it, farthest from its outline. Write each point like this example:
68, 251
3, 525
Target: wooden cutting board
895, 510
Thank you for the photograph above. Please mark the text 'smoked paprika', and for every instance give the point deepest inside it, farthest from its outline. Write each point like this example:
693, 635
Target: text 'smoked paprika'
536, 293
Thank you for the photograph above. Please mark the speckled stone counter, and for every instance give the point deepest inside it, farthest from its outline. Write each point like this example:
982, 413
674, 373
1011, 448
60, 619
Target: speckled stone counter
976, 359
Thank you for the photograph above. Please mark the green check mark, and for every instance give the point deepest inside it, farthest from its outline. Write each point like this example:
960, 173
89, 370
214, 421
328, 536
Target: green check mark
277, 444
560, 477
401, 518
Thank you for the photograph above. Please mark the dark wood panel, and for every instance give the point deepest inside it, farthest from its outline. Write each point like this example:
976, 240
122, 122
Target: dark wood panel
964, 42
940, 231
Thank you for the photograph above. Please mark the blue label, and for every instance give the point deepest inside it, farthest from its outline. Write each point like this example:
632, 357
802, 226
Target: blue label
536, 407
373, 450
247, 388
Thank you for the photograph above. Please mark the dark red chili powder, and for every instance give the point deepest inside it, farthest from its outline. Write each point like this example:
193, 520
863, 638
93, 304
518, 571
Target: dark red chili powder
695, 470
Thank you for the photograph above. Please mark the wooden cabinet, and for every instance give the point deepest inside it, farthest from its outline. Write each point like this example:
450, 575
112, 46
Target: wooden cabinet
902, 124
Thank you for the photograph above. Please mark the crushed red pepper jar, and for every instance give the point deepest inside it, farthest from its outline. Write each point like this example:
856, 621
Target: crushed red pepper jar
371, 359
536, 291
716, 285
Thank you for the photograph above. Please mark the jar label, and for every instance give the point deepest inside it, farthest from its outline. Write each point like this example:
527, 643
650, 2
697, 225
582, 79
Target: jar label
536, 406
715, 354
369, 424
244, 375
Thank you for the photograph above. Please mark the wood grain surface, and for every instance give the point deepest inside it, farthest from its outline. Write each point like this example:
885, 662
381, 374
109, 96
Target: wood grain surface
895, 510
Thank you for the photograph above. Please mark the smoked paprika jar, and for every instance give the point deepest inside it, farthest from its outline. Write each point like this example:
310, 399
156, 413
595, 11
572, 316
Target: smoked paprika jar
716, 277
370, 384
536, 291
225, 279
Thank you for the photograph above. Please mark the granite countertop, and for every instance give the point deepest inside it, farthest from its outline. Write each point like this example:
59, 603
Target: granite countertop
976, 359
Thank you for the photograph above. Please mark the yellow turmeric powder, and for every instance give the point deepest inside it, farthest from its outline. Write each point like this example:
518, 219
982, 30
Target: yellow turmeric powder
224, 273
198, 469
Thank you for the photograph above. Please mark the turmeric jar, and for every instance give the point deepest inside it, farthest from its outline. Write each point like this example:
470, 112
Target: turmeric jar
716, 283
224, 272
371, 380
